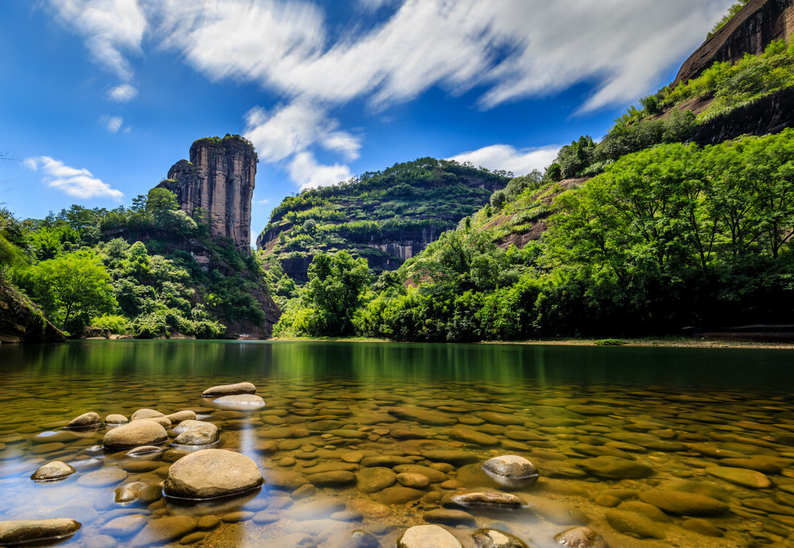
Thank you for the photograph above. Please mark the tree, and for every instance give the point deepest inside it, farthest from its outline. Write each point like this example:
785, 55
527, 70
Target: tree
336, 283
71, 288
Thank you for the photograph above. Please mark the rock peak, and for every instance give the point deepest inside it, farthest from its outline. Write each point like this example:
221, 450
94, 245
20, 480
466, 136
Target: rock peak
220, 179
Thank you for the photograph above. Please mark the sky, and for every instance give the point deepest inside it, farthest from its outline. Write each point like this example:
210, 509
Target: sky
99, 98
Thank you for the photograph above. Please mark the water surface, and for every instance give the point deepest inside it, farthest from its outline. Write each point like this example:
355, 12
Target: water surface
332, 407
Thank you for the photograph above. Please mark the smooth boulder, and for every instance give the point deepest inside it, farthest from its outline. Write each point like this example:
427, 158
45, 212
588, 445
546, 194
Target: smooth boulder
16, 532
53, 471
491, 538
427, 536
511, 471
212, 473
86, 420
581, 537
115, 419
201, 433
135, 434
229, 390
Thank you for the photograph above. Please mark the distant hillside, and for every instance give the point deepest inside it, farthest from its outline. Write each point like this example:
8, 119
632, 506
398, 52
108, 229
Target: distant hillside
386, 217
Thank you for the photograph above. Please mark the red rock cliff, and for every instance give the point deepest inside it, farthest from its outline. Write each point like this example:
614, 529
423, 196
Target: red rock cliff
749, 31
219, 178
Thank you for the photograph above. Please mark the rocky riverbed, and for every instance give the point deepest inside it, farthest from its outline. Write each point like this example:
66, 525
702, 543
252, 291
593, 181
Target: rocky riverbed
387, 463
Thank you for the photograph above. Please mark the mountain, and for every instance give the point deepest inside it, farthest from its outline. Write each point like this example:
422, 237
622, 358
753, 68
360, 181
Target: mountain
386, 217
681, 216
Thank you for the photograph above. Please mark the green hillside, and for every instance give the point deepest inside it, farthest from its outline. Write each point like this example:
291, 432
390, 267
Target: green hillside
384, 217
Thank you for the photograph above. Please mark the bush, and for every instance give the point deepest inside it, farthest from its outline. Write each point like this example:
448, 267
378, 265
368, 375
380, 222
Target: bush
117, 324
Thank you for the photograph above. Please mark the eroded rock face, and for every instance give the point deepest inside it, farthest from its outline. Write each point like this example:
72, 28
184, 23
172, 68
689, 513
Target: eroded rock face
219, 178
750, 31
212, 473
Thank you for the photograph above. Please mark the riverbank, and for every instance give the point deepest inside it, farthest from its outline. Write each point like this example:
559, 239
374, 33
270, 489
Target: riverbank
660, 342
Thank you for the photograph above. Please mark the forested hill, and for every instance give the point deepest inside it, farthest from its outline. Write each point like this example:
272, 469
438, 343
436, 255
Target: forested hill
681, 216
385, 217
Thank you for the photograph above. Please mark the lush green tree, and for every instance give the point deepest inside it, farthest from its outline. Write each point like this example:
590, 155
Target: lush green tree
71, 288
336, 282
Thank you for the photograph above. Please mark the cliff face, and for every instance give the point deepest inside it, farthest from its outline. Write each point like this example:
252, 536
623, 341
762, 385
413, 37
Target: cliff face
219, 178
749, 31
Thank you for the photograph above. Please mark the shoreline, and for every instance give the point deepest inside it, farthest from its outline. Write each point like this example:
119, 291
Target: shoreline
657, 342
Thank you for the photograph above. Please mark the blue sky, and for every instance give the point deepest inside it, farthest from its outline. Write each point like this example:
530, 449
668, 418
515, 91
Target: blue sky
100, 97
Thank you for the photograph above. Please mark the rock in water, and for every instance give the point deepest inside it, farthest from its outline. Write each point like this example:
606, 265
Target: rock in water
229, 390
53, 471
491, 538
581, 537
115, 419
428, 536
212, 473
483, 498
615, 468
242, 402
511, 470
134, 434
15, 532
86, 420
688, 504
137, 490
146, 414
201, 433
179, 416
740, 476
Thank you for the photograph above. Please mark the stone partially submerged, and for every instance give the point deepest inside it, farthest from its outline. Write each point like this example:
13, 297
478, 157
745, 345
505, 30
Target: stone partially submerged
86, 420
198, 433
18, 532
581, 537
511, 471
426, 536
229, 390
212, 473
53, 471
134, 434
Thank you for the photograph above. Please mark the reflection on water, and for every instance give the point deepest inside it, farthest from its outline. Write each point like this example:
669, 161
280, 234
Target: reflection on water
378, 437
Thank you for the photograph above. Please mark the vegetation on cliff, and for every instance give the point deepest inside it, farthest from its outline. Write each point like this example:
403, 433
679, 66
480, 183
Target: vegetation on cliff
409, 203
132, 270
665, 116
671, 236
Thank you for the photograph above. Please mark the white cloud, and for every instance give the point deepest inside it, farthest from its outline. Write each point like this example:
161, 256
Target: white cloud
123, 93
514, 48
307, 173
508, 158
293, 128
79, 183
110, 27
263, 202
112, 123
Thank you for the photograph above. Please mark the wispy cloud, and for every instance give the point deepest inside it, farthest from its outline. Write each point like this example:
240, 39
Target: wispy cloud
111, 28
263, 202
112, 123
506, 50
508, 158
79, 183
123, 93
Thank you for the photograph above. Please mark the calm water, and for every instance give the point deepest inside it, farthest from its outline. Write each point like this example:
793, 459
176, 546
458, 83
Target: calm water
714, 422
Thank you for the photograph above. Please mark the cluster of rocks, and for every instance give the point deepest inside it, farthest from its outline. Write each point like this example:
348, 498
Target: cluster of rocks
199, 475
360, 468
